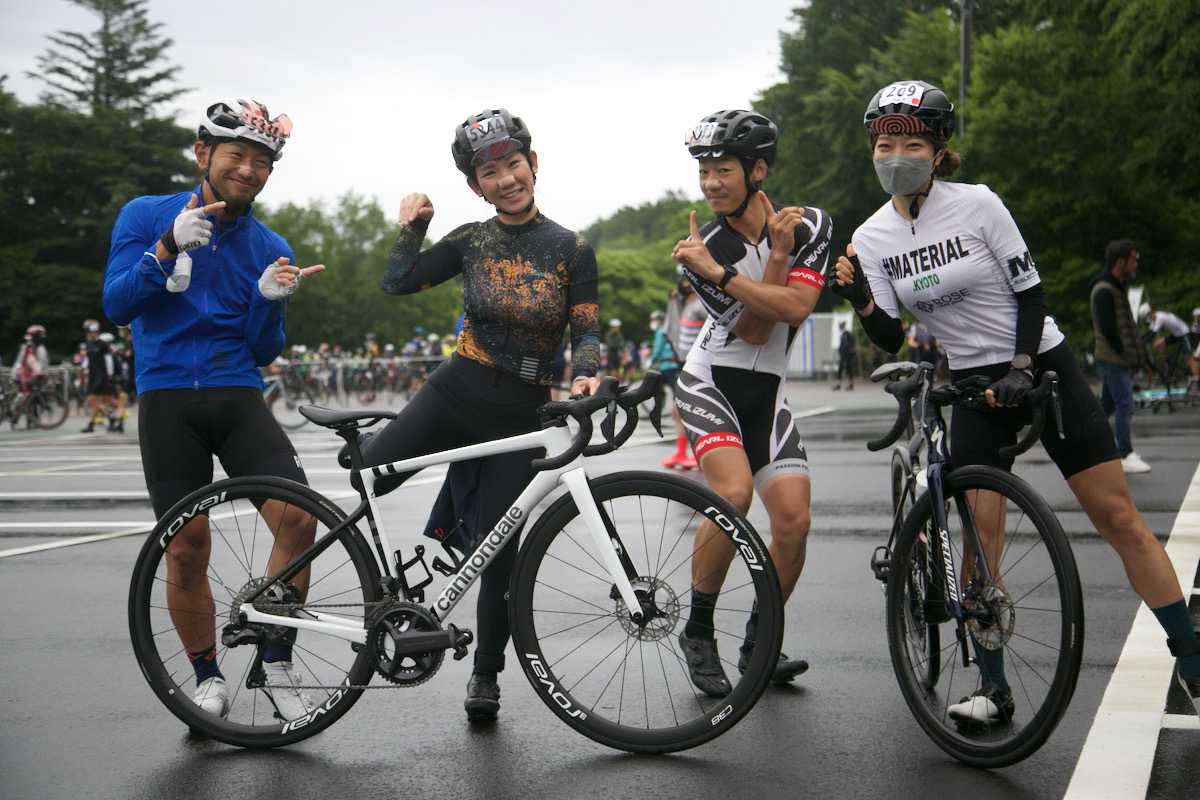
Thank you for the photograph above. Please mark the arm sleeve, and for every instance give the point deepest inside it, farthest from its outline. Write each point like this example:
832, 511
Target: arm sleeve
1031, 318
133, 279
409, 270
883, 329
584, 313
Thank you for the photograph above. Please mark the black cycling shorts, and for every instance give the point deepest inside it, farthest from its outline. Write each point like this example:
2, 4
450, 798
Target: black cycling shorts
180, 430
976, 435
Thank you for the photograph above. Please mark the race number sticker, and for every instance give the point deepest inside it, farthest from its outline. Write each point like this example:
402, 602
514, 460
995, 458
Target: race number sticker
905, 92
486, 131
702, 134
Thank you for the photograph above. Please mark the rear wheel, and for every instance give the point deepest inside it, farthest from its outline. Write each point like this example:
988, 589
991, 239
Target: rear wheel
618, 680
235, 523
1030, 613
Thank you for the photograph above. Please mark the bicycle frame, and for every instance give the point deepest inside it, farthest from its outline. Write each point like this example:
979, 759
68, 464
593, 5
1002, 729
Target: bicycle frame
555, 438
930, 433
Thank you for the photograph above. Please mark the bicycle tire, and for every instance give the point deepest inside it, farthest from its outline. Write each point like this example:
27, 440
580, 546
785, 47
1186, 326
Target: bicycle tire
345, 574
1040, 630
47, 410
926, 638
286, 407
619, 683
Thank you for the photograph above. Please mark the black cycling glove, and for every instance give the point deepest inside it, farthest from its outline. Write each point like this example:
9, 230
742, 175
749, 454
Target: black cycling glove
857, 291
1010, 390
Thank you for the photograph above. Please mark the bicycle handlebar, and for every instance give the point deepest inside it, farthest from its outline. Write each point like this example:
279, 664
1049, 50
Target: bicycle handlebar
968, 391
609, 394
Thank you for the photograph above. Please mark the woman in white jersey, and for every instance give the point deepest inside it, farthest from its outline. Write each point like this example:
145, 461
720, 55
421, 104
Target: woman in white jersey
952, 254
758, 268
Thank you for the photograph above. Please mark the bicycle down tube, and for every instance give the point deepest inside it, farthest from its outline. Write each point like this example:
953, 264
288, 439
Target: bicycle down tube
553, 440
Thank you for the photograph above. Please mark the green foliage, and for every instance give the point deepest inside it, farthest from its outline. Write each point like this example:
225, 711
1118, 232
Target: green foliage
341, 303
1082, 117
113, 68
633, 255
63, 178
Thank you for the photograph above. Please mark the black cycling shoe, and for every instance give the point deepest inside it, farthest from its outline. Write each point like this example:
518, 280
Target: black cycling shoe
786, 669
344, 453
483, 698
704, 665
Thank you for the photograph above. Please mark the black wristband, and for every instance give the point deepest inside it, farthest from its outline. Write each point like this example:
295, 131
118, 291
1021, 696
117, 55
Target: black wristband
168, 240
728, 276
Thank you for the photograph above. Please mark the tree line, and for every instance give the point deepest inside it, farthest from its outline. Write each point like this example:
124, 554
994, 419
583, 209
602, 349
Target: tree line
1080, 114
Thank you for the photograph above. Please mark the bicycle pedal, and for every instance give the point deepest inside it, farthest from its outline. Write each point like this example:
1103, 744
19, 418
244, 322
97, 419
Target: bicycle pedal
881, 565
462, 640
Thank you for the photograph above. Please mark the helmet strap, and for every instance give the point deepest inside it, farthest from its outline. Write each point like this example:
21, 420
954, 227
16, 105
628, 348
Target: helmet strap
751, 188
914, 209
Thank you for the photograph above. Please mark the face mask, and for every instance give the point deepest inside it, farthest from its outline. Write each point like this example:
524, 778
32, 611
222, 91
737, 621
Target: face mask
902, 175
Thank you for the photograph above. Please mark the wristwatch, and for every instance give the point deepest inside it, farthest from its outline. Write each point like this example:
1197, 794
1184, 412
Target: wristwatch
729, 273
1022, 361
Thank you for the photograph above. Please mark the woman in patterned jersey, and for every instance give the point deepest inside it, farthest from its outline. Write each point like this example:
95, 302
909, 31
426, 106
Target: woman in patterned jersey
525, 279
952, 254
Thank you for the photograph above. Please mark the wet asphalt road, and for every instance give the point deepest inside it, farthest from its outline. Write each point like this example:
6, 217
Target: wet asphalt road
77, 719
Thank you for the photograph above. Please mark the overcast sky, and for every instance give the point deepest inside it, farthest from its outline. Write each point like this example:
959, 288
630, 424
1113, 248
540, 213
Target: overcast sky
375, 88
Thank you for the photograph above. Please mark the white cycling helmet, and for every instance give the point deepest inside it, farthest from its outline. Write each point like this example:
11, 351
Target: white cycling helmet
235, 118
107, 337
1196, 312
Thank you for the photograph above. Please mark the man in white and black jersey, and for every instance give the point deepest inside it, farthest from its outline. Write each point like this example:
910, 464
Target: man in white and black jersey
952, 254
758, 268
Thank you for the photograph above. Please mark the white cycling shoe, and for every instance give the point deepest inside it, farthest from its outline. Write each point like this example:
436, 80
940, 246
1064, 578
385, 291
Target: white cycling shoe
212, 695
290, 703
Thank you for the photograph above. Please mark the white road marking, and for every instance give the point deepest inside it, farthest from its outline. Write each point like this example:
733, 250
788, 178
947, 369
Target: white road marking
1118, 756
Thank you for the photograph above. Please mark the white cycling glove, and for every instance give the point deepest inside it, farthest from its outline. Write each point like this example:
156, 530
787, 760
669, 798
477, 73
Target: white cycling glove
189, 231
272, 289
181, 278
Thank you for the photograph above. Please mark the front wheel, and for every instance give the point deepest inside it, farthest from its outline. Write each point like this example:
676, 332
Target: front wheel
1027, 620
623, 681
216, 543
48, 410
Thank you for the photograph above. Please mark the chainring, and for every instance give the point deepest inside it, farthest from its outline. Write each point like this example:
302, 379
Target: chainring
383, 628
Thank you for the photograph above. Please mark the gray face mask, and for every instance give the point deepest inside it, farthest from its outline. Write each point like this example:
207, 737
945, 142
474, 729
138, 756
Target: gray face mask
902, 175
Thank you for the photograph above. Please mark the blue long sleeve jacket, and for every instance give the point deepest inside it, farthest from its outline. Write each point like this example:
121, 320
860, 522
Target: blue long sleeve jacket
221, 329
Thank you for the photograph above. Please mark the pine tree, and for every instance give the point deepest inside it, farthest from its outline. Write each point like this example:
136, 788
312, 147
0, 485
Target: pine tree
113, 68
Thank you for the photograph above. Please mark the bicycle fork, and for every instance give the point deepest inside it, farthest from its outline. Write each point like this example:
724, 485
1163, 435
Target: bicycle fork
608, 543
940, 534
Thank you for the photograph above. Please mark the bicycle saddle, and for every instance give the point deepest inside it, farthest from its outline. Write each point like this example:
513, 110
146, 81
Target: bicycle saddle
330, 418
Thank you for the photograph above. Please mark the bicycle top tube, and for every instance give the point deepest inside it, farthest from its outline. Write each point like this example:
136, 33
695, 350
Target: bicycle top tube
909, 382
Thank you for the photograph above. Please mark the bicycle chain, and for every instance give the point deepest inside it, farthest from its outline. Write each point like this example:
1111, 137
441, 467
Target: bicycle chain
321, 687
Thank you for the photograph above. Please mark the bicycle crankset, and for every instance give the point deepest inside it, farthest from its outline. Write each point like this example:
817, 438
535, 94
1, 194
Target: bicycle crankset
660, 609
407, 644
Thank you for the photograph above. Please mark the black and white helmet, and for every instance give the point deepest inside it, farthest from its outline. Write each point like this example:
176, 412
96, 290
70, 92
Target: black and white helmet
91, 325
234, 118
910, 107
744, 134
487, 136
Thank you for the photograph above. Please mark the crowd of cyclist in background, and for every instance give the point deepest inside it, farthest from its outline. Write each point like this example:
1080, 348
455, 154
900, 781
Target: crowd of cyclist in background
98, 380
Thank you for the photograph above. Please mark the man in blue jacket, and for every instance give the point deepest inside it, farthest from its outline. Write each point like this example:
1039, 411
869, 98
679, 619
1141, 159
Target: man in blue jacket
203, 286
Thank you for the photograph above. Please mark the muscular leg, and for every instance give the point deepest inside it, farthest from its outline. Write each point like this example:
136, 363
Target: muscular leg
189, 596
1104, 494
728, 474
786, 499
